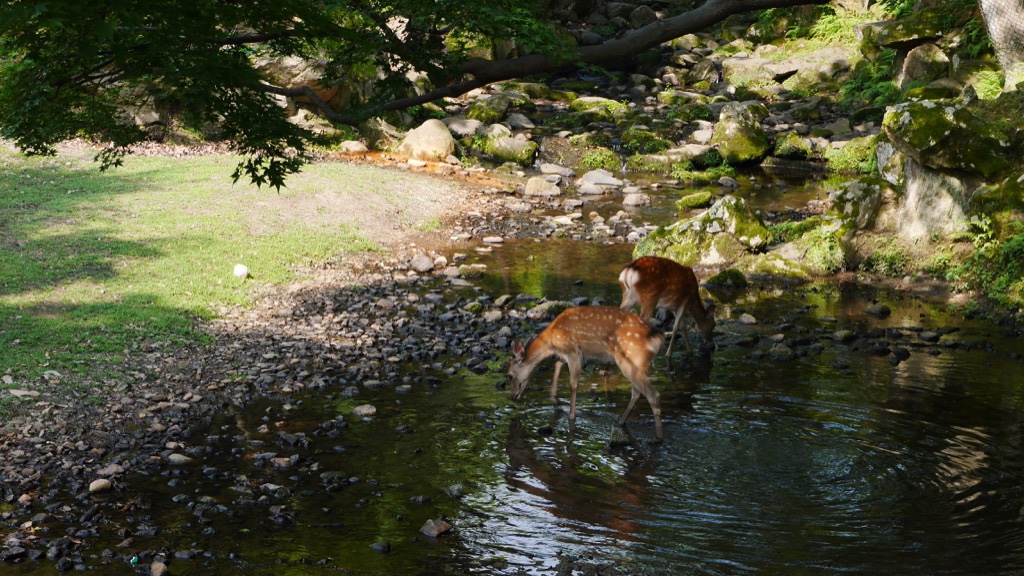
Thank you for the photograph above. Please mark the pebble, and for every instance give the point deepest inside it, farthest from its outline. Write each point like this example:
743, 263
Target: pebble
100, 485
364, 410
177, 458
435, 528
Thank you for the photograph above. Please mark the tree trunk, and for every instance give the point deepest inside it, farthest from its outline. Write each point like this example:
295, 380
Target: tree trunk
1004, 20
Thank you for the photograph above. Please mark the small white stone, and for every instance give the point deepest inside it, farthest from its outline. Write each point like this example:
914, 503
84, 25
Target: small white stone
241, 271
100, 485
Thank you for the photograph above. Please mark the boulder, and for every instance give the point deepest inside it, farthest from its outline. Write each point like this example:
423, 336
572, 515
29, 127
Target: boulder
739, 135
490, 109
432, 142
923, 64
511, 149
538, 186
716, 237
944, 134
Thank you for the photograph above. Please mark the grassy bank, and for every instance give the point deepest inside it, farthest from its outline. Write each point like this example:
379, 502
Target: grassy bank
93, 264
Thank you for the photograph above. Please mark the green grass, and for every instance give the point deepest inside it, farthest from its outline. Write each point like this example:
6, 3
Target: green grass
93, 264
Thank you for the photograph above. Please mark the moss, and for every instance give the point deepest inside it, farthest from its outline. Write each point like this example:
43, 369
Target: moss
591, 140
789, 231
583, 118
792, 145
643, 142
890, 259
824, 252
730, 278
856, 157
691, 112
538, 91
610, 108
695, 200
685, 172
647, 163
600, 158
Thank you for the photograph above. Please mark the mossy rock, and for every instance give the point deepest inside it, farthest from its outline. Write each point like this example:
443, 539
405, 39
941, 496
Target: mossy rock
591, 140
739, 135
1002, 201
930, 92
945, 134
538, 91
728, 279
489, 110
691, 112
640, 141
792, 145
820, 251
695, 200
718, 236
610, 108
508, 149
583, 117
857, 156
678, 97
921, 25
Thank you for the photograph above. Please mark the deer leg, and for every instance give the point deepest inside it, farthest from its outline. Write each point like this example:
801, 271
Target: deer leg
554, 382
647, 389
635, 395
574, 379
642, 387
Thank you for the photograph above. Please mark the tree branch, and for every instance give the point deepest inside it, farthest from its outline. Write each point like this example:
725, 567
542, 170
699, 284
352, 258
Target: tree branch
307, 92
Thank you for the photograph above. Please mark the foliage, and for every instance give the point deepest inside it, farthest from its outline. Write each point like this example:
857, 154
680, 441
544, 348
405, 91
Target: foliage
600, 158
793, 229
997, 268
643, 142
685, 172
888, 260
870, 83
824, 253
857, 157
80, 69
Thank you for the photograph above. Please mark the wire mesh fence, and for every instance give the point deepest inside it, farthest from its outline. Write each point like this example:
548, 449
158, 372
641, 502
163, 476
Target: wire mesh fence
1004, 20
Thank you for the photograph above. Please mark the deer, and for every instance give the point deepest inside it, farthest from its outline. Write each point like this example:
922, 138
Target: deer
603, 333
659, 283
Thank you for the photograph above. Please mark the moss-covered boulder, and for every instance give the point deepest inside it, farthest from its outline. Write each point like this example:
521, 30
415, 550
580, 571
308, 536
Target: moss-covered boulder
728, 279
919, 27
923, 64
718, 236
604, 106
640, 141
695, 200
538, 91
679, 97
511, 149
490, 109
945, 134
739, 135
794, 146
821, 251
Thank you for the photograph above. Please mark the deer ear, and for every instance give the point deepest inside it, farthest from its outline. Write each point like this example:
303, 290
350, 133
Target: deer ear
518, 349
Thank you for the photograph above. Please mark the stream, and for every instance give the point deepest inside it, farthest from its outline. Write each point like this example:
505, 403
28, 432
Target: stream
841, 459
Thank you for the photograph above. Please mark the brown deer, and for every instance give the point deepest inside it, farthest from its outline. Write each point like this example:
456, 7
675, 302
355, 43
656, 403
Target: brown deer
584, 333
654, 282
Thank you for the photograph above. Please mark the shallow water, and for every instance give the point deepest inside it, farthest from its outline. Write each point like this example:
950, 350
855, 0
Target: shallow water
837, 461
